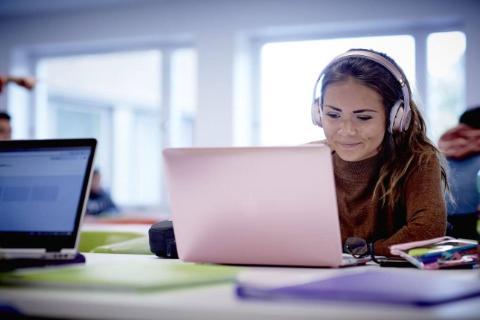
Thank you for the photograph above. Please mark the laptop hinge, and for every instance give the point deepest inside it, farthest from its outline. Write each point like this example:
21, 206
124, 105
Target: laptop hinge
22, 253
37, 254
61, 255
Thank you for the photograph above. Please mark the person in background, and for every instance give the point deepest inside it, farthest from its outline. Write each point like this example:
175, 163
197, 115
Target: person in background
25, 82
5, 119
461, 146
5, 126
99, 200
389, 177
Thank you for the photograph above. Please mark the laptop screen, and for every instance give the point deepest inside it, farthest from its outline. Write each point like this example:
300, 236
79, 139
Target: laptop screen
42, 191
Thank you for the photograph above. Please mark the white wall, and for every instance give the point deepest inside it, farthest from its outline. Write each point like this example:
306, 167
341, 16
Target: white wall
218, 28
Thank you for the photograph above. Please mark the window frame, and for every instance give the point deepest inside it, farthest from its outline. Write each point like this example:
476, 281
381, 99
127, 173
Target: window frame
31, 57
104, 109
419, 32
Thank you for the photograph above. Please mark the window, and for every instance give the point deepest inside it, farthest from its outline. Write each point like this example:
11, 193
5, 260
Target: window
126, 100
183, 97
446, 81
288, 71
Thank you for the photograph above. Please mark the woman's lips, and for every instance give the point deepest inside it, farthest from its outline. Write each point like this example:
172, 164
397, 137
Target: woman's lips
349, 145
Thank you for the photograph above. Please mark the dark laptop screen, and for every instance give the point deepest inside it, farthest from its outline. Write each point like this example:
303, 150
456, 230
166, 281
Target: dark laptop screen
42, 188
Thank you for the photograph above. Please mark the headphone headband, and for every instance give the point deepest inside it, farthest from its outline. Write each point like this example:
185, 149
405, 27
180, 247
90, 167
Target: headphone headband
392, 68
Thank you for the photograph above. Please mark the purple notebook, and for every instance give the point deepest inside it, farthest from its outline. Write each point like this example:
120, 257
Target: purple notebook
416, 288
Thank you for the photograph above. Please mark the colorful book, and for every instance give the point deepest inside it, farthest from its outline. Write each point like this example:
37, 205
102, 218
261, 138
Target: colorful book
439, 253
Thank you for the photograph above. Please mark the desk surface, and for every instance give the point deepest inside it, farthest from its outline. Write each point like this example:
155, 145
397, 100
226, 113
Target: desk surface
213, 302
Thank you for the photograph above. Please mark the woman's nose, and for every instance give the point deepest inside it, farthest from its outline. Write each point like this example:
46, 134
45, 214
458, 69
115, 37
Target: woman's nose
347, 127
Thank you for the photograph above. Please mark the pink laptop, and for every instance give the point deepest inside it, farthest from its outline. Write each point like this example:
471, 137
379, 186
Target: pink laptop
255, 205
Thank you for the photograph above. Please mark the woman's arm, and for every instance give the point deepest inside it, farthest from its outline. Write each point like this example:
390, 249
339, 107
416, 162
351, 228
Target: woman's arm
425, 208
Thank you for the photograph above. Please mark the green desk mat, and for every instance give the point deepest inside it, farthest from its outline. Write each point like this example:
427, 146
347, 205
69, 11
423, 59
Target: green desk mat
127, 242
143, 276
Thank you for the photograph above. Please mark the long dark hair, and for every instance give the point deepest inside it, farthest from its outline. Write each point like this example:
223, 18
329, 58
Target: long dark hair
401, 152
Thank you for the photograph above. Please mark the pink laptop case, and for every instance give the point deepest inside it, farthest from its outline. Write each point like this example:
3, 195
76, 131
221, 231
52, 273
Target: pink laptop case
254, 205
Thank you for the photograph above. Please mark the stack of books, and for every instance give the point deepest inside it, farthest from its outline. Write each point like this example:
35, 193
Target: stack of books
439, 253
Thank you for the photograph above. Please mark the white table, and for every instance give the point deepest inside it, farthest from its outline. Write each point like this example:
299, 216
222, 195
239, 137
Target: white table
213, 302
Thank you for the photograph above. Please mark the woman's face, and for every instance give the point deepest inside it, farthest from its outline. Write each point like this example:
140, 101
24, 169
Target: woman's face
353, 120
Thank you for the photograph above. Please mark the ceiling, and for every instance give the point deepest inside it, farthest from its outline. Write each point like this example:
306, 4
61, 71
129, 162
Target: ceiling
19, 8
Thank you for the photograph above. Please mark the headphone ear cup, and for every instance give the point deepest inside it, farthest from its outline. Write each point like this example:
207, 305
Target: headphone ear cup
396, 117
316, 113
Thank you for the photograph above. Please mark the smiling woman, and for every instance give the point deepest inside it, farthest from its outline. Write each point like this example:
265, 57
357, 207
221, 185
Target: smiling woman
354, 120
388, 175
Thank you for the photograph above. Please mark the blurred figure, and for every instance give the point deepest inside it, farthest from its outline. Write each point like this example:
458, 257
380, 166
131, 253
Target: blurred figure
461, 146
99, 201
5, 126
26, 82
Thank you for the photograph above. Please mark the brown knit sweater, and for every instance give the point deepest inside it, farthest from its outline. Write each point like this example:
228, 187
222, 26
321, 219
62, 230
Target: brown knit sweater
420, 215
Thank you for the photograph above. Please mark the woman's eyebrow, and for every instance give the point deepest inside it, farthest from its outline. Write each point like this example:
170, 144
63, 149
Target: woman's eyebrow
332, 107
365, 110
356, 111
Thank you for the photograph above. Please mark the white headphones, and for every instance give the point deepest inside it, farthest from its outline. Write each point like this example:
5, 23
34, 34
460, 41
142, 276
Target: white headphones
400, 115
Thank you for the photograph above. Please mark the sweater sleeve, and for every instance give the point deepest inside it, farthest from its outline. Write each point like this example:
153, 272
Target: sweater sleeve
425, 208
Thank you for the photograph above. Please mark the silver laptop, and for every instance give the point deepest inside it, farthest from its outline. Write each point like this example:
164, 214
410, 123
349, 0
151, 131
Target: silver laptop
255, 205
44, 186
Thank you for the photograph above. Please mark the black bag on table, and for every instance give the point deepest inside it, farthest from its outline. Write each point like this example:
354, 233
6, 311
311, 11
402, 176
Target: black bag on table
162, 240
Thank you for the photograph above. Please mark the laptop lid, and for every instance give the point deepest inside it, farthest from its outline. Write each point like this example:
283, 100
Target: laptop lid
44, 185
254, 205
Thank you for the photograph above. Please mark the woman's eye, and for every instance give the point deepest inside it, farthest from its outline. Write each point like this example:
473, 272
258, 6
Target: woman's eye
333, 115
364, 118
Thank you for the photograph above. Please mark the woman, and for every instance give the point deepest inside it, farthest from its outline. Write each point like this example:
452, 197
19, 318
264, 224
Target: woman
388, 175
